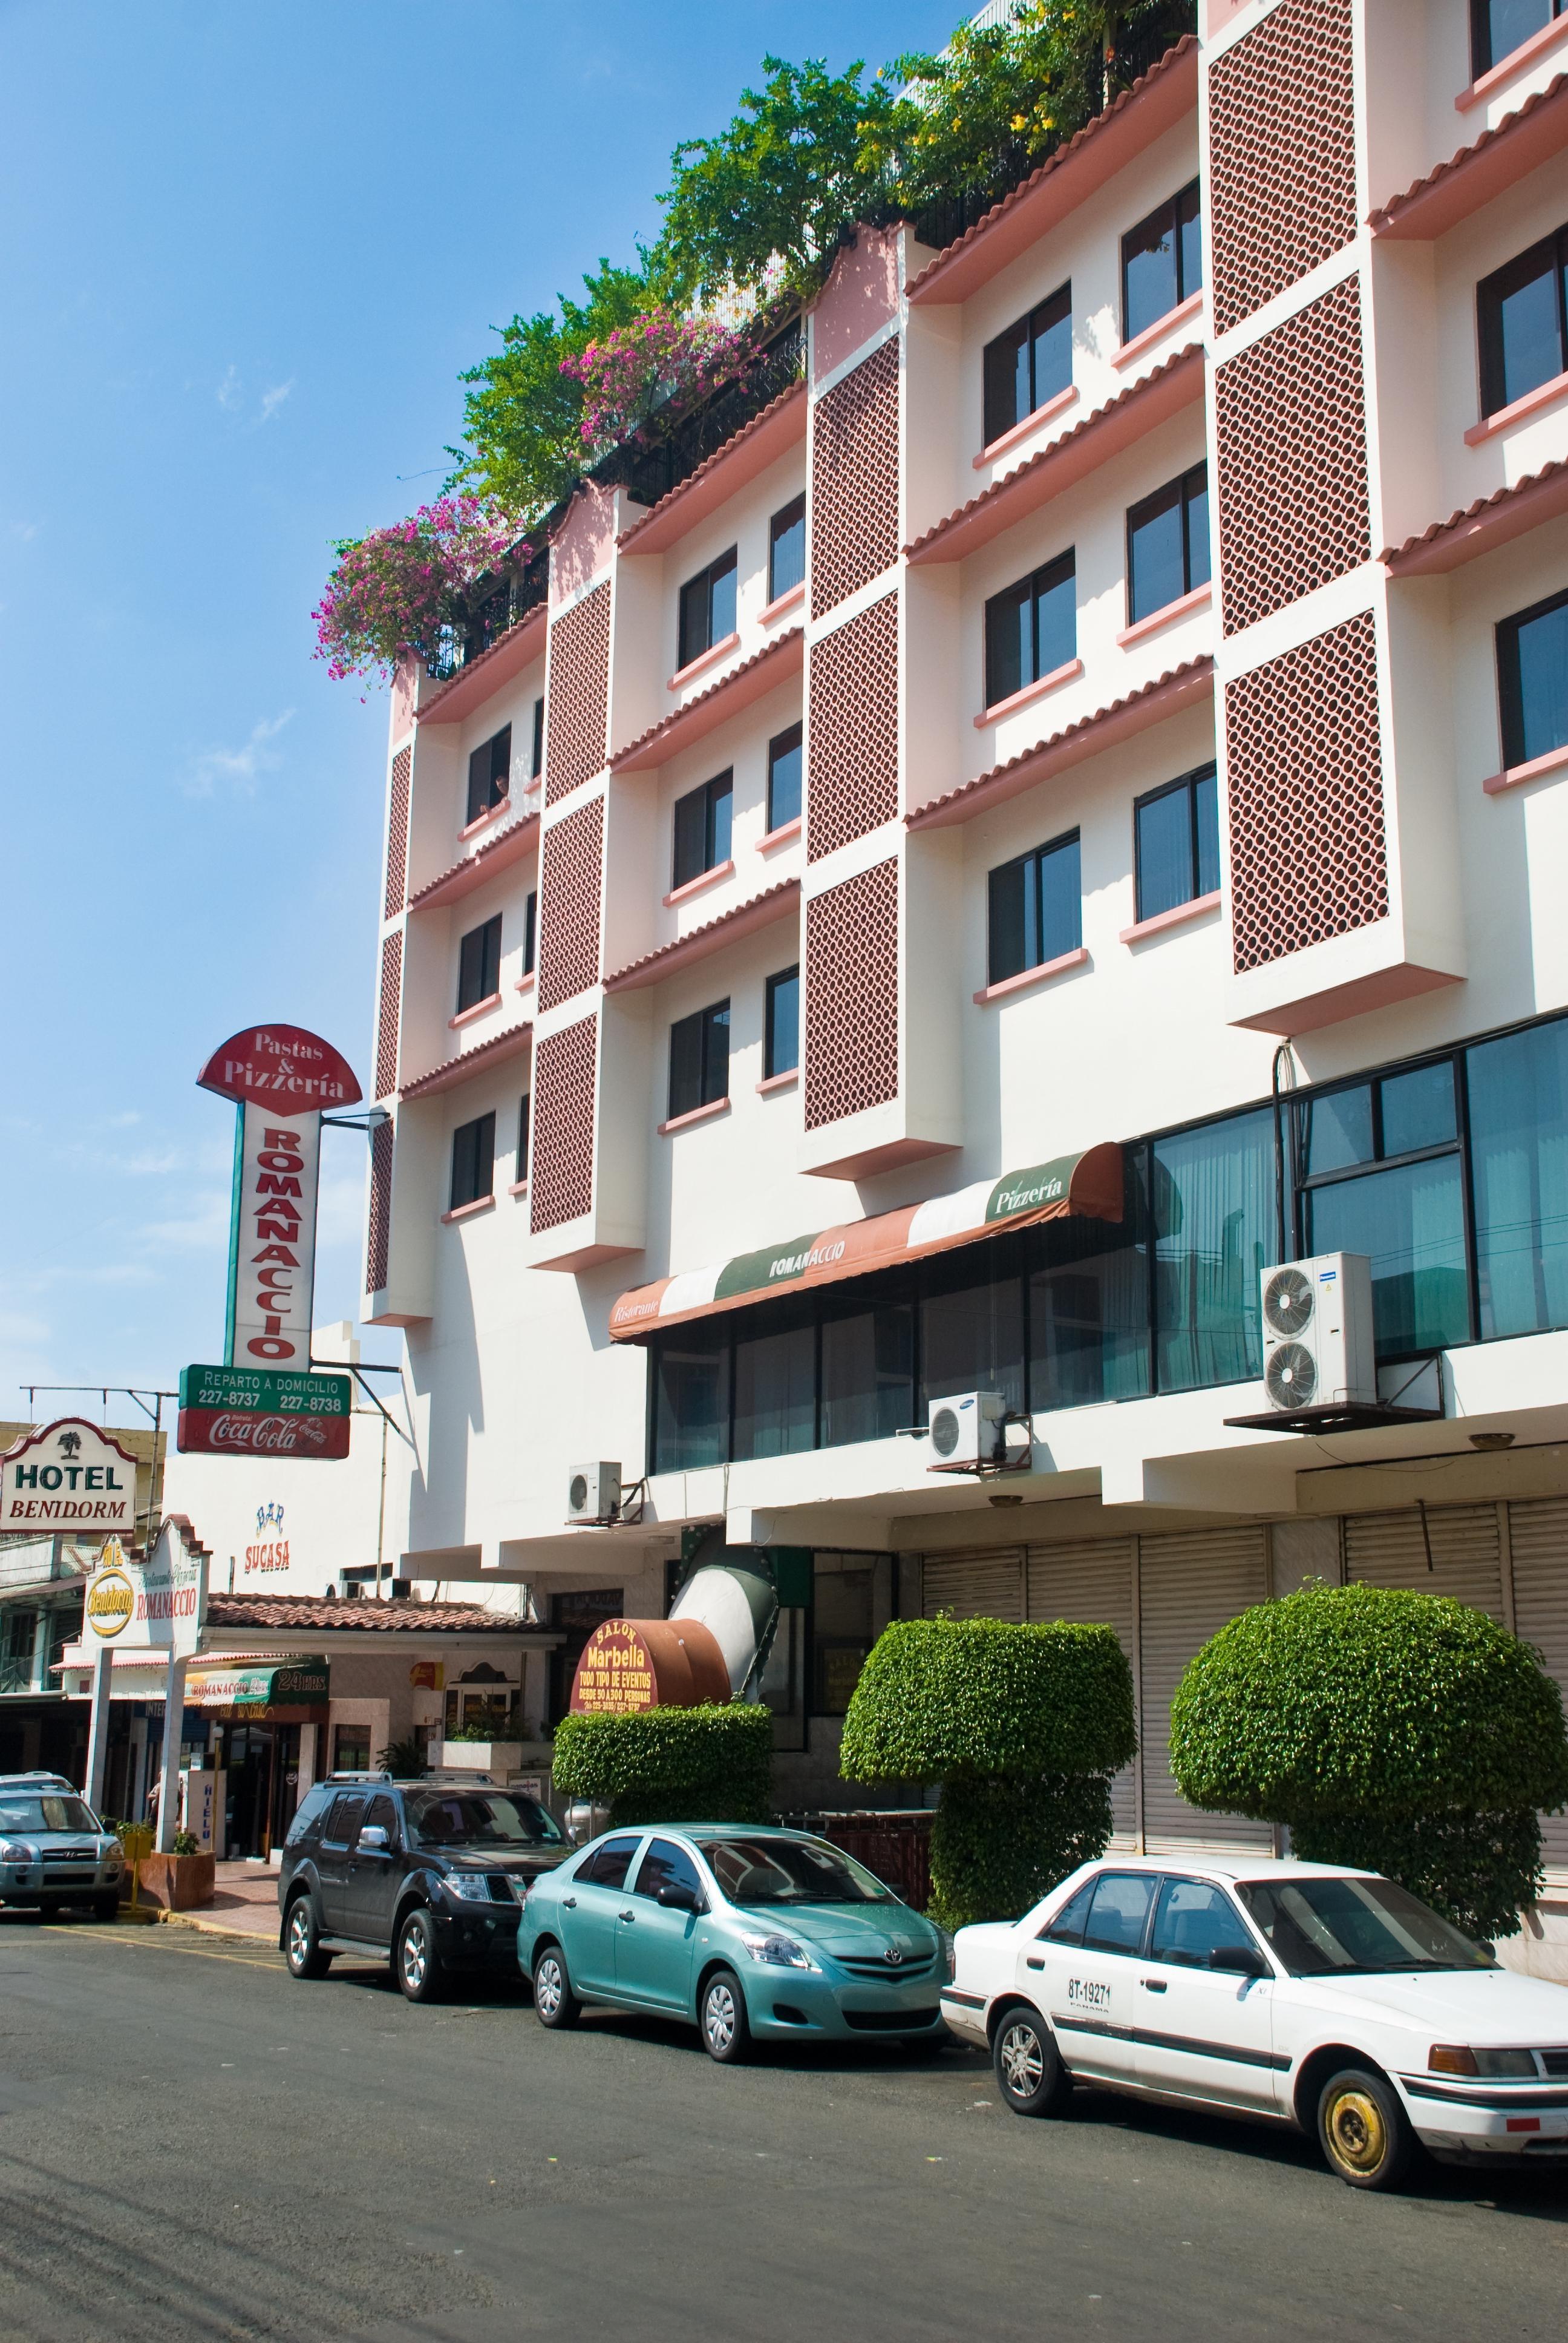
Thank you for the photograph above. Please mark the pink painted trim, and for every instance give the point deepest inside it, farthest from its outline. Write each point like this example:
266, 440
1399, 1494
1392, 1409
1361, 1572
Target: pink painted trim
780, 837
1131, 351
1036, 690
772, 610
1198, 600
1177, 916
709, 658
698, 1114
1545, 394
1553, 762
518, 1188
467, 1016
783, 1081
467, 1212
704, 879
1517, 60
1020, 431
483, 821
526, 983
1026, 977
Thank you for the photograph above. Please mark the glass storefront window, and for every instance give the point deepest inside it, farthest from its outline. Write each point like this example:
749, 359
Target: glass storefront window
1213, 1230
776, 1390
691, 1399
868, 1372
1518, 1088
1411, 1220
1418, 1108
844, 1627
971, 1332
1337, 1130
1089, 1307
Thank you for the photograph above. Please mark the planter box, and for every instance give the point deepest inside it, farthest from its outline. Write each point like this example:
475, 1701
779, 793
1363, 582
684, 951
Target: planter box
177, 1883
497, 1758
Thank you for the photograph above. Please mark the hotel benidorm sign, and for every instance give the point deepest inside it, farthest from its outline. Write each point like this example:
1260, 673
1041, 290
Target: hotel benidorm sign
69, 1476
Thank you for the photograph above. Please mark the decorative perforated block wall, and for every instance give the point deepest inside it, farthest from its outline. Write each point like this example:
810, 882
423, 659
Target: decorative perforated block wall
560, 1169
387, 1013
853, 995
1282, 153
578, 710
1291, 442
855, 479
1304, 765
378, 1235
569, 894
852, 738
398, 834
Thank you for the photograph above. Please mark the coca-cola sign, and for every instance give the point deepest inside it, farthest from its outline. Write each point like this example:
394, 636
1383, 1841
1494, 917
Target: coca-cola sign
225, 1432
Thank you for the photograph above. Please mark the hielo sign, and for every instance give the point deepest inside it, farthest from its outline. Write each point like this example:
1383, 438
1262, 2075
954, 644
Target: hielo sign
68, 1476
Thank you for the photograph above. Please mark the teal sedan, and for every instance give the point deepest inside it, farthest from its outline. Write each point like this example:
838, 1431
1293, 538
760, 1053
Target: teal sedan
743, 1931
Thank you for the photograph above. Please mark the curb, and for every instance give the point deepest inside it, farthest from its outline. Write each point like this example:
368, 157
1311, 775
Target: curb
218, 1928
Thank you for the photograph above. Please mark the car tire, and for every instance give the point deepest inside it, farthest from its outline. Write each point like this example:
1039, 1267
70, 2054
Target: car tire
721, 2018
557, 2004
416, 1959
1362, 2131
105, 1907
1030, 2074
302, 1953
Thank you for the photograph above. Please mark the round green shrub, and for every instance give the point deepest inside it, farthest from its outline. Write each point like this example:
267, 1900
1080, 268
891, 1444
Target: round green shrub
997, 1845
713, 1762
940, 1699
1476, 1869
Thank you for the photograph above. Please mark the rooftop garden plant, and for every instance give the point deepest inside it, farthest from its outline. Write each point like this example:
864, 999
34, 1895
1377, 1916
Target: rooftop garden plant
392, 592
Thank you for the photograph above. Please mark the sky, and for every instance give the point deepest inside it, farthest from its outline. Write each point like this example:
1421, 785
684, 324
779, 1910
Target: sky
248, 250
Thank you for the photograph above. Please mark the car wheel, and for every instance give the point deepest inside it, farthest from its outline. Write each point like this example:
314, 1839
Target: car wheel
302, 1942
418, 1959
725, 2036
105, 1907
1030, 2074
1362, 2131
557, 2004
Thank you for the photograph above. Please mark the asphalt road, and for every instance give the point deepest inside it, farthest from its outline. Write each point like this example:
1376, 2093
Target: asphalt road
193, 2146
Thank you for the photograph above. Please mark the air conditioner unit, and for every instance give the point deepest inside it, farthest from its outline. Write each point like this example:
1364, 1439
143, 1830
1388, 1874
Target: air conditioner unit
965, 1431
1318, 1332
593, 1493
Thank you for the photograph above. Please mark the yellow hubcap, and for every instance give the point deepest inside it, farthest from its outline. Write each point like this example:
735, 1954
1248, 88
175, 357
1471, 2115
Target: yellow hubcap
1357, 2131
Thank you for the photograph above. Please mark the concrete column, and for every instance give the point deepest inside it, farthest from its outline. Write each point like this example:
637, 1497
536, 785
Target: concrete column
98, 1726
169, 1770
307, 1735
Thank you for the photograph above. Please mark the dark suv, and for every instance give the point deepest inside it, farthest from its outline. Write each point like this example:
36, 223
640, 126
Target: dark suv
431, 1875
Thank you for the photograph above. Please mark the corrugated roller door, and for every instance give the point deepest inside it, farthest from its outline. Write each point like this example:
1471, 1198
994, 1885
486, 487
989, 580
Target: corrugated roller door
1187, 1587
1091, 1584
984, 1585
1389, 1550
1538, 1540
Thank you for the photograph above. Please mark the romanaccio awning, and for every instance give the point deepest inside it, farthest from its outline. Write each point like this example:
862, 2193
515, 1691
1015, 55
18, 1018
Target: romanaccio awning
236, 1682
1088, 1186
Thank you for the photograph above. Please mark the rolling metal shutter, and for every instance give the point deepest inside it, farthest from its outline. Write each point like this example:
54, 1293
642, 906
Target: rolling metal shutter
1091, 1583
1189, 1586
1538, 1538
987, 1584
1388, 1550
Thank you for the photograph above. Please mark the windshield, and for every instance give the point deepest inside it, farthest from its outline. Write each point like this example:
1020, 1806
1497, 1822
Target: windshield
753, 1871
45, 1814
479, 1818
1355, 1927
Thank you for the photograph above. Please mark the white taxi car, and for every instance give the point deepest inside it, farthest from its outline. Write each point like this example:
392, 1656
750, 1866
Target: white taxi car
1327, 1999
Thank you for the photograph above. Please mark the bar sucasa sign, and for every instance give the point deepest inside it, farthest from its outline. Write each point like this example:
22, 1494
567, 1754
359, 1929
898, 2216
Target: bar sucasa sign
69, 1476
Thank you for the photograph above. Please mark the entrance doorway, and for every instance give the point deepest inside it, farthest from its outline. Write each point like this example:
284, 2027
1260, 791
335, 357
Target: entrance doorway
261, 1788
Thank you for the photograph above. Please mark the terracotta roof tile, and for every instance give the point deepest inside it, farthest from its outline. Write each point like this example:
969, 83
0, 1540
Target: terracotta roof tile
1424, 195
665, 736
755, 912
1490, 520
498, 1047
760, 423
397, 1615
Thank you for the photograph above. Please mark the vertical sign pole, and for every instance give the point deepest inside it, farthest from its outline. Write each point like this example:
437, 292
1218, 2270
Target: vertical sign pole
169, 1769
234, 1234
98, 1725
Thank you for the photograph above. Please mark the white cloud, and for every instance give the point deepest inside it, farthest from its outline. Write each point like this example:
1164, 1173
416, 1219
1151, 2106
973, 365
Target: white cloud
271, 400
26, 530
230, 394
202, 1229
239, 767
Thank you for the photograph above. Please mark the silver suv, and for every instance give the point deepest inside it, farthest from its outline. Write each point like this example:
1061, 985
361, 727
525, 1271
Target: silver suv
53, 1850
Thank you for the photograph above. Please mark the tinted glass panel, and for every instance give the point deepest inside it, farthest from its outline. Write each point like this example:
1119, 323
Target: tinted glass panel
1411, 1220
787, 549
720, 805
665, 1865
694, 634
609, 1866
775, 1391
1165, 873
1198, 527
1148, 272
1337, 1130
1117, 1912
473, 1161
1088, 1306
1418, 1108
1501, 24
868, 1373
1214, 1229
342, 1823
1013, 941
972, 1336
784, 767
1194, 1920
691, 834
1156, 568
1050, 333
1520, 317
1009, 643
1056, 617
721, 609
1533, 673
782, 1052
691, 1398
1206, 824
479, 964
1518, 1089
1067, 1928
1189, 241
1060, 900
1006, 398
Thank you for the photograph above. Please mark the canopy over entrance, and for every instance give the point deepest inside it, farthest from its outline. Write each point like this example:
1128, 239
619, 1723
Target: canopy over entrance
1087, 1186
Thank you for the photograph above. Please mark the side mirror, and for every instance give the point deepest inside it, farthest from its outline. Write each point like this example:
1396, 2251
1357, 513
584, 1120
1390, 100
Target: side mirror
673, 1898
374, 1839
1240, 1960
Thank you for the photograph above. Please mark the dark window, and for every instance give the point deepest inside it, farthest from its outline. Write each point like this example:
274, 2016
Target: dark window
1523, 318
1089, 1304
971, 1322
702, 830
525, 1108
1177, 842
1067, 1928
1533, 681
1192, 1920
691, 1398
479, 964
1167, 544
473, 1161
707, 609
1214, 1228
490, 769
1383, 1174
381, 1813
786, 548
843, 1630
1161, 262
784, 764
1518, 1092
665, 1865
698, 1060
342, 1824
1117, 1912
1031, 630
1036, 909
536, 754
1498, 28
775, 1382
609, 1865
530, 931
1028, 364
781, 1047
868, 1368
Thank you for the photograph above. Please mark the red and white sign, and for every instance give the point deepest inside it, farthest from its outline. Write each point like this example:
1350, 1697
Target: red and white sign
272, 1263
218, 1432
69, 1476
285, 1064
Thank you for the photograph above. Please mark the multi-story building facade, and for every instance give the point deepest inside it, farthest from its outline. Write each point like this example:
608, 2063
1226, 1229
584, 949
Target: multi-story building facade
1062, 809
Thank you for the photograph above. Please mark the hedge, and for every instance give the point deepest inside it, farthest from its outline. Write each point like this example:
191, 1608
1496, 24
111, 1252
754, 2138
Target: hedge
709, 1764
997, 1846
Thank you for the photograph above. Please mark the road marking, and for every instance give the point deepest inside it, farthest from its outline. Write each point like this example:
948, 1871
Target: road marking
190, 1952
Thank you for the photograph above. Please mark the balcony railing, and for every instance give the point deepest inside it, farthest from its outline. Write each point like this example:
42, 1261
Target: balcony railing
490, 613
17, 1674
650, 469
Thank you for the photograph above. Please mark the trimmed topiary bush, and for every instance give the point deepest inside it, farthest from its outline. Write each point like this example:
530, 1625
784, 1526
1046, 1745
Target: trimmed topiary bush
709, 1763
1404, 1731
1023, 1726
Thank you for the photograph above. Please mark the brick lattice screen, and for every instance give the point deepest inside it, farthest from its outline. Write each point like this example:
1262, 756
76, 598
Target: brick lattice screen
852, 738
579, 712
853, 995
1291, 441
569, 895
560, 1171
1282, 156
378, 1234
397, 835
1304, 765
855, 480
387, 1013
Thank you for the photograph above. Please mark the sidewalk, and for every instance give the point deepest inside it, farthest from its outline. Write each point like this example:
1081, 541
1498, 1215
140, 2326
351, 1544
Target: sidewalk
245, 1903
